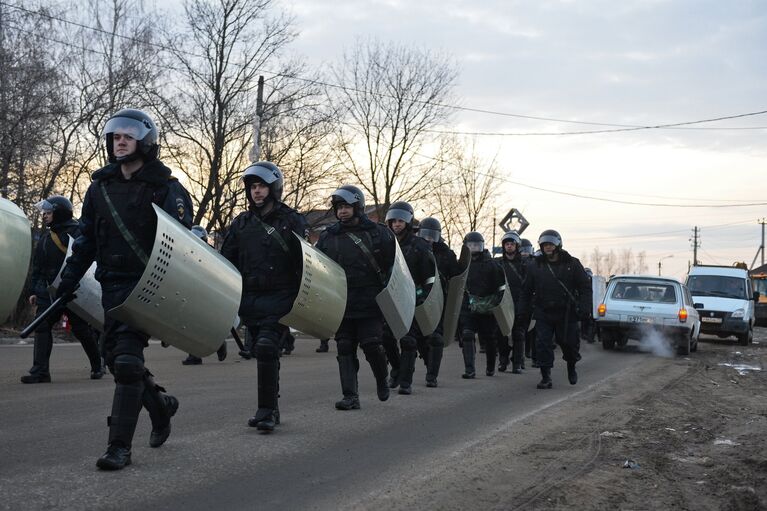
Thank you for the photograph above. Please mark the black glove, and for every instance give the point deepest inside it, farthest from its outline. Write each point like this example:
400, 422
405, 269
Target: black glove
67, 287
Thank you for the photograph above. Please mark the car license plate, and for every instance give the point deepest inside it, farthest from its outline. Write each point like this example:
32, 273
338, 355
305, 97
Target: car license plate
639, 319
711, 320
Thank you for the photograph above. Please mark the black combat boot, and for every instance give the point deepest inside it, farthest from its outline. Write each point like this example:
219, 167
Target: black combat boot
221, 352
393, 380
468, 359
348, 365
406, 369
323, 346
376, 357
126, 406
41, 354
572, 376
191, 360
161, 408
545, 382
503, 363
90, 345
433, 362
268, 414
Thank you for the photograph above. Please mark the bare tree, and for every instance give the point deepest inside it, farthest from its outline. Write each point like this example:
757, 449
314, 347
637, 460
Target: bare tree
210, 110
393, 96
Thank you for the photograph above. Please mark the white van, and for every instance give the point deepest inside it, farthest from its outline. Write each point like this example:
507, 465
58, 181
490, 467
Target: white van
724, 298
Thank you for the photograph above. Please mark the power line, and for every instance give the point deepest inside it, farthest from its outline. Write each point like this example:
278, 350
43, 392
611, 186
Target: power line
618, 127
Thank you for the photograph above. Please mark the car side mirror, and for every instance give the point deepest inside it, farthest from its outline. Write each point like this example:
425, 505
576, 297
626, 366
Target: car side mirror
756, 296
697, 305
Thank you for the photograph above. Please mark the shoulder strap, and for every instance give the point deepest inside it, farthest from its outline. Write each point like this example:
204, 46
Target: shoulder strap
126, 234
567, 291
58, 243
271, 231
365, 250
516, 272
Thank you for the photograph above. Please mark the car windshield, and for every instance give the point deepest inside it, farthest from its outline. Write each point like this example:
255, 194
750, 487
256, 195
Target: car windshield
717, 285
644, 292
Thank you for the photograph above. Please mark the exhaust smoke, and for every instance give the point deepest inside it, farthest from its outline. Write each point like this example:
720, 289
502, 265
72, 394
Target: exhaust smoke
654, 342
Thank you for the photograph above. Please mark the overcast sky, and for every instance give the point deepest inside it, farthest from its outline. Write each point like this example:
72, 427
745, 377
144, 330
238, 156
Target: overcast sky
629, 62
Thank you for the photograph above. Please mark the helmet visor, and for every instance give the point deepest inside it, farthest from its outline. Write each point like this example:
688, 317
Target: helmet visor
399, 214
429, 234
44, 206
548, 238
475, 246
344, 196
127, 126
526, 250
268, 176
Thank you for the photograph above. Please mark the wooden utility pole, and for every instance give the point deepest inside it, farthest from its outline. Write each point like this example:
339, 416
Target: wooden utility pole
255, 151
695, 245
761, 247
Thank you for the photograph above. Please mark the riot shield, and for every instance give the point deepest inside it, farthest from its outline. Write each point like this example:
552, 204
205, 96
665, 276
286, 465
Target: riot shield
455, 292
188, 295
428, 314
397, 300
504, 311
15, 254
87, 302
321, 300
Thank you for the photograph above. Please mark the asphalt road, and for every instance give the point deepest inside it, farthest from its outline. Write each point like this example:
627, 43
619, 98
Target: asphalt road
319, 458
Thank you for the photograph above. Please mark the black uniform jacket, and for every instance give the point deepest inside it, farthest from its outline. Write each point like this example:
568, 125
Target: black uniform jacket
544, 295
485, 278
270, 269
100, 237
447, 262
516, 272
420, 262
49, 257
362, 279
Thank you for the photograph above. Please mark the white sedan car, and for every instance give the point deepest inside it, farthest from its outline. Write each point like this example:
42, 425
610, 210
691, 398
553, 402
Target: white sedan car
635, 306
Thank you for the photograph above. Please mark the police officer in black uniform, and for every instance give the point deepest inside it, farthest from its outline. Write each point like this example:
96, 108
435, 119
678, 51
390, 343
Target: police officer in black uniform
50, 252
558, 294
365, 250
515, 270
420, 262
118, 230
261, 244
484, 290
431, 346
526, 251
191, 360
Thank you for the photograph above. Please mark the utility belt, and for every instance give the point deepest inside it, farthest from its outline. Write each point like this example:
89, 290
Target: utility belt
257, 283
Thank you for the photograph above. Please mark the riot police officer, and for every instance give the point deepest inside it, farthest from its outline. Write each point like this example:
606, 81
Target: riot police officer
484, 290
432, 346
261, 244
50, 252
420, 262
365, 250
118, 230
191, 360
558, 294
515, 270
526, 251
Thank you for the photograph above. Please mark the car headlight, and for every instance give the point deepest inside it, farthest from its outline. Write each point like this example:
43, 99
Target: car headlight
738, 313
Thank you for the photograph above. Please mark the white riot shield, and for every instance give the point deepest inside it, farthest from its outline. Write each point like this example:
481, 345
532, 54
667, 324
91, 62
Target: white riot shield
397, 300
87, 302
428, 314
455, 292
15, 254
598, 289
321, 301
504, 312
189, 294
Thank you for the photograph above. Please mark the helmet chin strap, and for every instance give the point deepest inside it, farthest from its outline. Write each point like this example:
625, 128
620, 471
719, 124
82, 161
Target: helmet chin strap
134, 156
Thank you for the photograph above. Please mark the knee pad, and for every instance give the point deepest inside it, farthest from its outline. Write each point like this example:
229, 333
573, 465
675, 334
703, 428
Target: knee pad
128, 369
345, 347
408, 343
266, 349
436, 340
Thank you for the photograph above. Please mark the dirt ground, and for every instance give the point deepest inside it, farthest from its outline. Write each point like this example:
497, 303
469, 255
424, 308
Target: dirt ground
683, 433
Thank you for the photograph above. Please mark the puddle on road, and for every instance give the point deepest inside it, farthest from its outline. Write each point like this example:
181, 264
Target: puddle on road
742, 369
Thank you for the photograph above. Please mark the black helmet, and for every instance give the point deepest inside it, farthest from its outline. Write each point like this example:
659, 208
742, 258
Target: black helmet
267, 172
550, 236
511, 236
525, 247
430, 229
60, 206
475, 242
400, 210
138, 125
200, 232
351, 195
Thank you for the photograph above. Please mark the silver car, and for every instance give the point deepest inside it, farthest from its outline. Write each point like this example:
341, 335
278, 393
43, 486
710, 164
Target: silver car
636, 306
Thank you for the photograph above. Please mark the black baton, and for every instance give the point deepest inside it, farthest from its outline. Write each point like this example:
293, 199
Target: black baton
57, 304
237, 339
